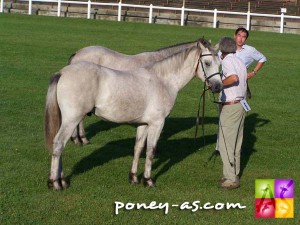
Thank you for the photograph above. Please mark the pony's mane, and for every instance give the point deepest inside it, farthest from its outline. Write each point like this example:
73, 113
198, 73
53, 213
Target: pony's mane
173, 62
202, 40
175, 45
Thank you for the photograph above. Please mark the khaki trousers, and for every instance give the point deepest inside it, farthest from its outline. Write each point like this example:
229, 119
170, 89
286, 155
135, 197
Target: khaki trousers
230, 138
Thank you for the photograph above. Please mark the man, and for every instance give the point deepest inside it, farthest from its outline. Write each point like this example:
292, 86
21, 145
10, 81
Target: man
247, 53
232, 115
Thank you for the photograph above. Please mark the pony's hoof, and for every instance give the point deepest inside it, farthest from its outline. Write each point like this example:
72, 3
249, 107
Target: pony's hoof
133, 179
57, 185
76, 141
64, 183
85, 141
54, 184
148, 182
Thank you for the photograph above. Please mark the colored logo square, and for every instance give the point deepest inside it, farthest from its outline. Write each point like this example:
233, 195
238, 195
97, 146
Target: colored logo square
284, 188
265, 208
264, 188
284, 208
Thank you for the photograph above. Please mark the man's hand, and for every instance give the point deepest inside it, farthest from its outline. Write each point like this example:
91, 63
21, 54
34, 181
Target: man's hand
251, 74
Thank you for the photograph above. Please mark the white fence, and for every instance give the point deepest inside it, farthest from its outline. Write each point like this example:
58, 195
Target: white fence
183, 10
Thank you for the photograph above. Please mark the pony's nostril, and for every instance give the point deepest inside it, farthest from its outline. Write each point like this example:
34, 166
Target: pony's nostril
217, 88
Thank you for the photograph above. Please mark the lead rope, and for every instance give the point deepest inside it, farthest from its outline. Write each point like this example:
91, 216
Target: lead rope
202, 97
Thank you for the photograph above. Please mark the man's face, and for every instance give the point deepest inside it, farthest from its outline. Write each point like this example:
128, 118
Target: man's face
240, 38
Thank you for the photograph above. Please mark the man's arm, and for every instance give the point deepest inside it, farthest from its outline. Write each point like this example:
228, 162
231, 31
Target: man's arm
258, 66
230, 81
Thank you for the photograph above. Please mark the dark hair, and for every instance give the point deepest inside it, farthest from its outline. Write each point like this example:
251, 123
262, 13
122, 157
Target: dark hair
243, 30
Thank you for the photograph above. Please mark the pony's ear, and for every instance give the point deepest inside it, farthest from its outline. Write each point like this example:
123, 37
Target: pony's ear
201, 46
217, 46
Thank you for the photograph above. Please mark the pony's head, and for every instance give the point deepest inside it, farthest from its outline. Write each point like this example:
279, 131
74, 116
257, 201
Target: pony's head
208, 66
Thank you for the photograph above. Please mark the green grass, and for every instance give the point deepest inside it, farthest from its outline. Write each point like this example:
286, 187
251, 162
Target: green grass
33, 48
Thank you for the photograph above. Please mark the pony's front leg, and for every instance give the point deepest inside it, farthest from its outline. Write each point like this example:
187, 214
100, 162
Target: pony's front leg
78, 136
75, 136
153, 135
138, 148
82, 136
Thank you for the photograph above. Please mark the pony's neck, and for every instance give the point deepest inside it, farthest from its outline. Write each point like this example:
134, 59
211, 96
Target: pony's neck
177, 70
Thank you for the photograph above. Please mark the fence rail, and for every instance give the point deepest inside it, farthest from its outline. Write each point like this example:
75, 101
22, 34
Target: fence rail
151, 7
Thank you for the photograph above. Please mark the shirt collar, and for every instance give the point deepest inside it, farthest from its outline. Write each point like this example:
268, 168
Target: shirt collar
242, 48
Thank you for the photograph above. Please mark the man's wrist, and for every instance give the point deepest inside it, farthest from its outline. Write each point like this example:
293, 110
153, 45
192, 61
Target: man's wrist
254, 72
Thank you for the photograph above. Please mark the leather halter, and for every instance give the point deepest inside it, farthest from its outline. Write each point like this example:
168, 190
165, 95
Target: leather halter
205, 76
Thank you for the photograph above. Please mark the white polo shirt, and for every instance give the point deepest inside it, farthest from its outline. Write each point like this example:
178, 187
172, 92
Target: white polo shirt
231, 64
248, 54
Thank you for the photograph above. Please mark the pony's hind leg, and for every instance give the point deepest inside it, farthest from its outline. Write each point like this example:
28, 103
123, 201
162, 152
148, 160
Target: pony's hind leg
138, 148
60, 182
56, 179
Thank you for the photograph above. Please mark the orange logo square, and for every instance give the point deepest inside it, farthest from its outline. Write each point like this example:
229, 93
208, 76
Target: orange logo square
284, 208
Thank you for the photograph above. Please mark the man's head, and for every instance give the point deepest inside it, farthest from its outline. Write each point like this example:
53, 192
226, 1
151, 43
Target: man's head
240, 36
227, 45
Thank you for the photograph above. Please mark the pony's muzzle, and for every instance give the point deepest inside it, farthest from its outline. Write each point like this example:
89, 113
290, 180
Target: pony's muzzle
216, 87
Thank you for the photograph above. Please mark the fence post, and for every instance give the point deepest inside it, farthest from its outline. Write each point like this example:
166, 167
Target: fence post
182, 16
58, 7
120, 10
215, 18
30, 7
248, 20
2, 6
281, 22
150, 13
89, 10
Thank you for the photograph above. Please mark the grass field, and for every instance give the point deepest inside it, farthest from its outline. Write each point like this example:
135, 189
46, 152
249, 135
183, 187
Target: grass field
33, 48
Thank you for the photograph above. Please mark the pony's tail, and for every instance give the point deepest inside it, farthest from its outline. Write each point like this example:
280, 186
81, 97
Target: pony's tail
52, 112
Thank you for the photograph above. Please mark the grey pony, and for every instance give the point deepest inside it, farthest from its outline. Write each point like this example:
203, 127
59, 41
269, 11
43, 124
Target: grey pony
144, 96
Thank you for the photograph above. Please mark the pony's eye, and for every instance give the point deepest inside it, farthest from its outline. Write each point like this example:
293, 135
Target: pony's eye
207, 63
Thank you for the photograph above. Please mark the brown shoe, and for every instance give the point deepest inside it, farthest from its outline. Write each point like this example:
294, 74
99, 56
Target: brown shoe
228, 185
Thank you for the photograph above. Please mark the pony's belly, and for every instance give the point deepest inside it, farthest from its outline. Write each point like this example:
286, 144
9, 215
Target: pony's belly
119, 116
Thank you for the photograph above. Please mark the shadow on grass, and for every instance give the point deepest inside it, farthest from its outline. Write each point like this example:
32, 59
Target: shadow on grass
171, 151
252, 121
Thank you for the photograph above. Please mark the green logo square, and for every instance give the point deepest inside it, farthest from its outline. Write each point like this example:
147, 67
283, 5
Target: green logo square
264, 188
